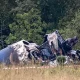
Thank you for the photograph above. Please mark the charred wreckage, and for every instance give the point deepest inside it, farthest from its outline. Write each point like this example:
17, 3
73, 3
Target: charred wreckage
54, 45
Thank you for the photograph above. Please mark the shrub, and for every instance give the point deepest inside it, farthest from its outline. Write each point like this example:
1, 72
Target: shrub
61, 60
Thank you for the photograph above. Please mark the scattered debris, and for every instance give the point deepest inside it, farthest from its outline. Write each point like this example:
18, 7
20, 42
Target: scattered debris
53, 46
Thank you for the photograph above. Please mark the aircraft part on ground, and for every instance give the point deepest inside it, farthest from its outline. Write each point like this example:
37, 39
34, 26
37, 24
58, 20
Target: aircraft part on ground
54, 45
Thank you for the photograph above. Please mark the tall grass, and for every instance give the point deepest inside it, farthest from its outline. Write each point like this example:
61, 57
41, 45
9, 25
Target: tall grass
56, 73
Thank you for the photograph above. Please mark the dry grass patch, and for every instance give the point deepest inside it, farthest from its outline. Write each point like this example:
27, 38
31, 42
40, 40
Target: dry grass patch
57, 73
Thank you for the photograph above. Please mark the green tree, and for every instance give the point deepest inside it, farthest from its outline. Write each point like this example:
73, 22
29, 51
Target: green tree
55, 10
72, 28
5, 7
26, 26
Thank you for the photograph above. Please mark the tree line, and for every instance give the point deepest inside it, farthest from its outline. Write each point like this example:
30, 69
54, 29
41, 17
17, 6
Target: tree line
32, 19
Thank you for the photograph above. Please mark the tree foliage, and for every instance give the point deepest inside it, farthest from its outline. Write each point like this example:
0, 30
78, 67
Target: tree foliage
26, 26
5, 8
31, 19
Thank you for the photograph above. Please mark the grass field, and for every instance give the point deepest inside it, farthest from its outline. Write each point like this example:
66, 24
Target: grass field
56, 73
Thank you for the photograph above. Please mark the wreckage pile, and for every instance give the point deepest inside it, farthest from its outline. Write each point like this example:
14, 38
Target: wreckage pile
53, 46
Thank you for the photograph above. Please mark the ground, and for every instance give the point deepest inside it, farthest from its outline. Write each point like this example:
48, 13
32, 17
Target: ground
48, 73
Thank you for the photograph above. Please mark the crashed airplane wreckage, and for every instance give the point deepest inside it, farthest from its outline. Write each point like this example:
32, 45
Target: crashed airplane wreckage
54, 45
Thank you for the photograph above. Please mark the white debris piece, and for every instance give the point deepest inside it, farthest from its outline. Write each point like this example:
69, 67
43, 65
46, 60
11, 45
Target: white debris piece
53, 63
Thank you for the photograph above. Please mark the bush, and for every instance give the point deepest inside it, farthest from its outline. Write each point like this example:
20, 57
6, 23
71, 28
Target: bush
61, 60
